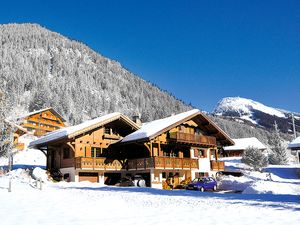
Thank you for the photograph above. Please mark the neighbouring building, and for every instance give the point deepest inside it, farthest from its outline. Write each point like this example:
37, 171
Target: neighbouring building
183, 146
41, 122
18, 132
241, 145
295, 147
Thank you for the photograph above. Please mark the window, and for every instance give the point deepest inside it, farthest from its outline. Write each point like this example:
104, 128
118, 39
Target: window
107, 130
164, 175
96, 152
66, 153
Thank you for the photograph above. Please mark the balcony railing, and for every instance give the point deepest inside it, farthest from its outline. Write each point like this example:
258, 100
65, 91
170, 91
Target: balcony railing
97, 164
193, 138
217, 165
162, 163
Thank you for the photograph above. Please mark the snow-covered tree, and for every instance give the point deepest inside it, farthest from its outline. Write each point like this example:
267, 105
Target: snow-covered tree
255, 158
278, 154
6, 131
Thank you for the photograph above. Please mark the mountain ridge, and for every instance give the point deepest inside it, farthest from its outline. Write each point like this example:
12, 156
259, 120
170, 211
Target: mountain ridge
244, 109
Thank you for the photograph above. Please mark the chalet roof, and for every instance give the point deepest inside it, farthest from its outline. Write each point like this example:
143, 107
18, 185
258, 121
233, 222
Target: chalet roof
295, 143
244, 143
69, 132
41, 110
16, 125
154, 128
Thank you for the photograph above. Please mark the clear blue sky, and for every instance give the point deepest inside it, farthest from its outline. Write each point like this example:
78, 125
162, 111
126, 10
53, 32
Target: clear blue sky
201, 51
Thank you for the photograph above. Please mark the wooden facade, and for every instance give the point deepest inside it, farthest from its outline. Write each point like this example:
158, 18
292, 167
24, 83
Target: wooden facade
83, 154
185, 150
41, 122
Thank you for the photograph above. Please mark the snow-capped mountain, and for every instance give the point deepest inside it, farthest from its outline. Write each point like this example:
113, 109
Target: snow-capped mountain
247, 110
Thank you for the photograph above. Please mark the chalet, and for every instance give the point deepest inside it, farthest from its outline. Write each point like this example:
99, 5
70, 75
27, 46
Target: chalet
80, 152
18, 132
42, 121
295, 147
241, 145
182, 147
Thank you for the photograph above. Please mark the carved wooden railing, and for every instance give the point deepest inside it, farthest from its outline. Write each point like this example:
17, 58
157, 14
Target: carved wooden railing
217, 165
193, 138
97, 163
162, 163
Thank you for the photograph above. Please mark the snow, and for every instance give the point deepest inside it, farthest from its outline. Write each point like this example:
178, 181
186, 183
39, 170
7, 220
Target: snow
149, 129
40, 174
275, 179
244, 143
86, 203
26, 158
58, 134
245, 106
39, 111
295, 143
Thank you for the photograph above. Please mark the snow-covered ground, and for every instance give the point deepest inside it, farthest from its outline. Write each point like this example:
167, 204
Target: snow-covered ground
271, 197
26, 158
272, 180
87, 203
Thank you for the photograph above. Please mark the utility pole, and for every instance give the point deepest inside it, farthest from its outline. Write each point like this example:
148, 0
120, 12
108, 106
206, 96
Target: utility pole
294, 127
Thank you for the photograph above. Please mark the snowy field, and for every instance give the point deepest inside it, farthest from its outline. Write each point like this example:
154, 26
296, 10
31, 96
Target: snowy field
87, 203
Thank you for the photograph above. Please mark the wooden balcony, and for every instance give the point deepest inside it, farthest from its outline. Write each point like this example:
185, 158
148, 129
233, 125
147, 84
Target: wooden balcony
217, 165
193, 139
20, 146
89, 163
162, 163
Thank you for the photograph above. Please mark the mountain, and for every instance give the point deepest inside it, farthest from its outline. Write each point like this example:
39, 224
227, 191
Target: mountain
41, 68
256, 114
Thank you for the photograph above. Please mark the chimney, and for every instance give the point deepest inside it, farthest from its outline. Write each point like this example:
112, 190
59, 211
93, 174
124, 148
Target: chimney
137, 119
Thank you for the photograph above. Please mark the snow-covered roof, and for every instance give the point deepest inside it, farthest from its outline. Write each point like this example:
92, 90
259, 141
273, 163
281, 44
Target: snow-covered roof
244, 143
295, 143
39, 111
83, 127
16, 125
151, 129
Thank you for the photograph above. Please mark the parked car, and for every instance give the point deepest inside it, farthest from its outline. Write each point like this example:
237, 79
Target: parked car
125, 182
202, 184
139, 181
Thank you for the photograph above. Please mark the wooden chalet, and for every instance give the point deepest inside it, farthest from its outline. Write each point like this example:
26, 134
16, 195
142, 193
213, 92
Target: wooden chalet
18, 132
81, 152
42, 121
180, 147
295, 148
241, 145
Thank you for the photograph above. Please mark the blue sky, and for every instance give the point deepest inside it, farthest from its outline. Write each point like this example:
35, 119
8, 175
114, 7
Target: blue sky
201, 51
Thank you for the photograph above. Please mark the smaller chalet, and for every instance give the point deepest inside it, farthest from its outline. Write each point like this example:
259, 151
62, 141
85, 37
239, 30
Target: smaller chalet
80, 152
19, 131
241, 145
42, 121
295, 147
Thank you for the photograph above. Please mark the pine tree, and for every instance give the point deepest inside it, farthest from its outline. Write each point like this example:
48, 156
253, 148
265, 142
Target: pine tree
254, 158
278, 155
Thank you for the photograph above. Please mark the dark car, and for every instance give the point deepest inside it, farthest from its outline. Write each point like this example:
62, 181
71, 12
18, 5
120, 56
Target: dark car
202, 184
125, 182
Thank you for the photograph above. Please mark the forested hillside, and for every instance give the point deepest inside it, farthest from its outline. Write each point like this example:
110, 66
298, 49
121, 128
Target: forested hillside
41, 68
